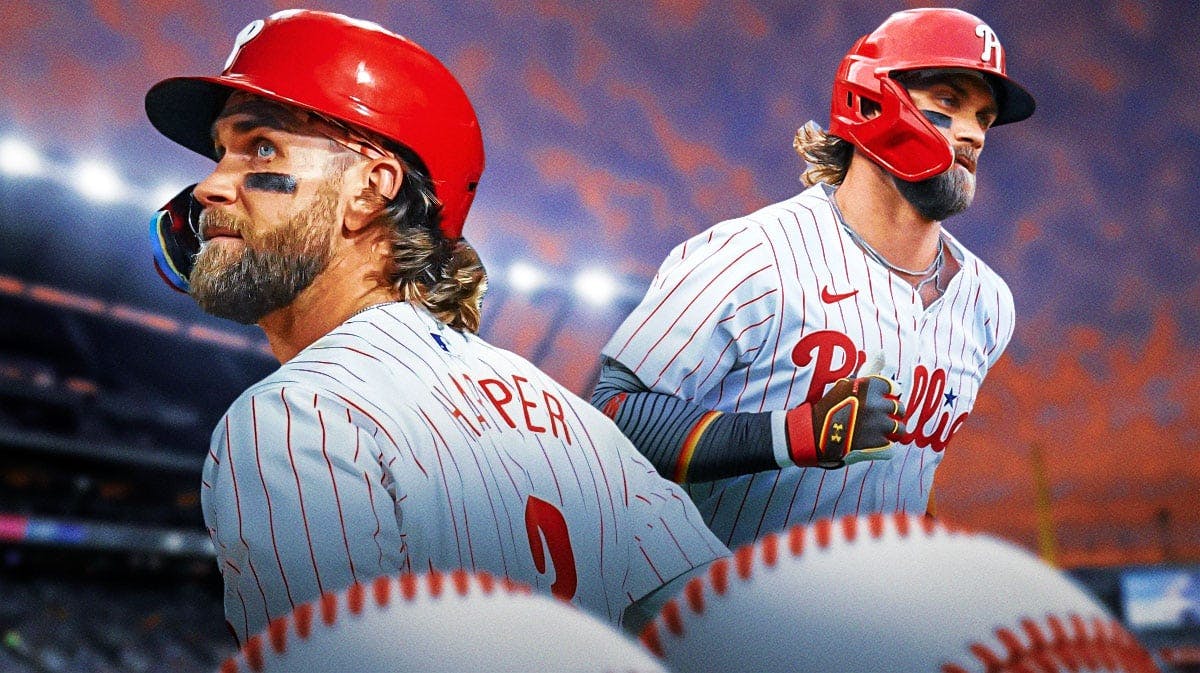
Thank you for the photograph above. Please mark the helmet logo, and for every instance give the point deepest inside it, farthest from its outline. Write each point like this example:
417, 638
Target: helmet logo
990, 43
248, 33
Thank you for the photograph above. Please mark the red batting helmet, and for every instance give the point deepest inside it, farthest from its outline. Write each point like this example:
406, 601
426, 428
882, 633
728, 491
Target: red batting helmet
349, 70
899, 138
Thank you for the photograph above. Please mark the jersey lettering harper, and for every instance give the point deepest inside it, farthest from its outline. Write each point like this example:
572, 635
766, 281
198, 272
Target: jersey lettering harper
397, 444
767, 311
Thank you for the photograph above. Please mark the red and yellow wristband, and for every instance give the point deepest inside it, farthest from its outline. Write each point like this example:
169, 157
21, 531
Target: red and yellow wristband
684, 461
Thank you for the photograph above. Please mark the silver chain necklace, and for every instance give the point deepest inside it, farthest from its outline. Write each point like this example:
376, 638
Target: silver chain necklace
932, 272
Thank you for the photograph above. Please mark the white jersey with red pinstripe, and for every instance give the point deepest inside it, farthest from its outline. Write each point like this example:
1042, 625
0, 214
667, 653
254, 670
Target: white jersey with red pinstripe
397, 444
765, 312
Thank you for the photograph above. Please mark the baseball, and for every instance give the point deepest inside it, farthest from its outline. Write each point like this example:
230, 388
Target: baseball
888, 593
456, 621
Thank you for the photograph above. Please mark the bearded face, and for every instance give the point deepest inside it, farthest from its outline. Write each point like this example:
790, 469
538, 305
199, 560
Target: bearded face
961, 105
250, 274
941, 196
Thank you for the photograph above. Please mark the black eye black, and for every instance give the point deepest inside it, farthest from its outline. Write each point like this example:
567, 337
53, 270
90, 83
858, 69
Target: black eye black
937, 118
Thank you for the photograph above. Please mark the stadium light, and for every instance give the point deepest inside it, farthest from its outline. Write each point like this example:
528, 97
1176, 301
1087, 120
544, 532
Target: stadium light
595, 287
98, 182
525, 277
18, 158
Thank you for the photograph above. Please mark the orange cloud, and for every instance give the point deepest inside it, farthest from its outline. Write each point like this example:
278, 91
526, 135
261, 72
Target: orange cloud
1134, 15
547, 90
577, 15
616, 203
142, 43
471, 65
674, 14
593, 56
513, 231
700, 163
687, 156
750, 21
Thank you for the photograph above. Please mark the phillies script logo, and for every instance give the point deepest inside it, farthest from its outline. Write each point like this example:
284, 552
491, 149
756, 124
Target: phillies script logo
832, 355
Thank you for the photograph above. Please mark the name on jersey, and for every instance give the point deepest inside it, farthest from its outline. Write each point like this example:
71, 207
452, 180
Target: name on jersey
831, 355
514, 401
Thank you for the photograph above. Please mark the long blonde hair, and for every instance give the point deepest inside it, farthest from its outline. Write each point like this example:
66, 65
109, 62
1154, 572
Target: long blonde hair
828, 156
444, 275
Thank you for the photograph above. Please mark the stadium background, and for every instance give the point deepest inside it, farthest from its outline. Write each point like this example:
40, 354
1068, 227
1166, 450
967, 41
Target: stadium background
613, 131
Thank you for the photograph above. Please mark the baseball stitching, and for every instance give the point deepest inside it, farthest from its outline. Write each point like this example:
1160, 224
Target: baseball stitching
300, 621
1102, 644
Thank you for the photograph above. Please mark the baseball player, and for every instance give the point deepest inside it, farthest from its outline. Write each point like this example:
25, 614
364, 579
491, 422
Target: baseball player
815, 358
392, 438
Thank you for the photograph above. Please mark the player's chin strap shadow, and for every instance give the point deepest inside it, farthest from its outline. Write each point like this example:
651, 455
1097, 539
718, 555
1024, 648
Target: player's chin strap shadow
175, 238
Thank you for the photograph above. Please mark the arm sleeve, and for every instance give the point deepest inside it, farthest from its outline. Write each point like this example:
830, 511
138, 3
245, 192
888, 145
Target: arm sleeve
295, 502
685, 442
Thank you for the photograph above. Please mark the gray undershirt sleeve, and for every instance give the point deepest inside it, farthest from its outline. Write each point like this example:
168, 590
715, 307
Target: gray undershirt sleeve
660, 425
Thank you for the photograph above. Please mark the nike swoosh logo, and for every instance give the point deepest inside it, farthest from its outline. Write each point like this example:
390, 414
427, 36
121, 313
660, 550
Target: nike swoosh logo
830, 298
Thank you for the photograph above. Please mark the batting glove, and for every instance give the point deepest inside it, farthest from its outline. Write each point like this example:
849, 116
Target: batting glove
858, 419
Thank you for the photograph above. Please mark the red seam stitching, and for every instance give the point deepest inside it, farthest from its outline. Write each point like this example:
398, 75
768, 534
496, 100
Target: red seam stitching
277, 634
875, 525
354, 598
718, 574
1049, 643
651, 640
462, 581
823, 532
670, 615
253, 652
796, 540
694, 593
408, 586
1107, 646
744, 560
850, 528
328, 608
304, 621
381, 590
770, 549
486, 582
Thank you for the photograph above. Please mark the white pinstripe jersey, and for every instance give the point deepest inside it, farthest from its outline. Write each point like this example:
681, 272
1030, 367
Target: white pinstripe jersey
394, 443
764, 312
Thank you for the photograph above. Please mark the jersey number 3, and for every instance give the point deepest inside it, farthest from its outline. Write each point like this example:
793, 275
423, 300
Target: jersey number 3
543, 520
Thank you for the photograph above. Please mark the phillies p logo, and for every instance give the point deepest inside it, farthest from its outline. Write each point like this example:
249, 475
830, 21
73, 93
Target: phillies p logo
992, 51
832, 355
248, 33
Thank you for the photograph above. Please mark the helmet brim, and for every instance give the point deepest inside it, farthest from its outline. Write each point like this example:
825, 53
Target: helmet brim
1015, 104
184, 109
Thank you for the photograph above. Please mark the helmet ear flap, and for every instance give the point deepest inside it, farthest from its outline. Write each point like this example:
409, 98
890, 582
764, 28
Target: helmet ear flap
899, 138
175, 239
